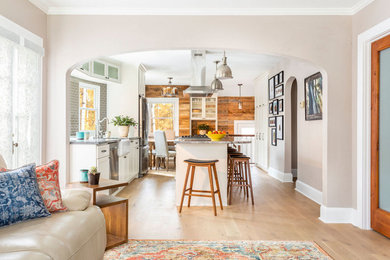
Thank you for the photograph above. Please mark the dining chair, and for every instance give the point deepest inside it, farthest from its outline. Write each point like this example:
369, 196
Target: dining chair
161, 148
170, 135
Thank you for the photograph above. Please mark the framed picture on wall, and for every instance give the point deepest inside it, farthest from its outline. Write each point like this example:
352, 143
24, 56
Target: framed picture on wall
281, 77
271, 89
270, 109
273, 137
280, 105
275, 107
279, 91
272, 121
279, 127
313, 97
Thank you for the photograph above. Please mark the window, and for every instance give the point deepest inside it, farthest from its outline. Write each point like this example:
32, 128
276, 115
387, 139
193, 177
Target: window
88, 106
163, 114
20, 95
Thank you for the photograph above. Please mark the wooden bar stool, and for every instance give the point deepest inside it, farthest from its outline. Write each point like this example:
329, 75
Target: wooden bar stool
242, 179
210, 164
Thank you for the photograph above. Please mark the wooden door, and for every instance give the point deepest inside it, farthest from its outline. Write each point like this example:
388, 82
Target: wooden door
380, 136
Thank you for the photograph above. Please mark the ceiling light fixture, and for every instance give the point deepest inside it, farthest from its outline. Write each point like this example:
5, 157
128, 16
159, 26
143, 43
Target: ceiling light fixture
224, 71
239, 95
216, 85
169, 91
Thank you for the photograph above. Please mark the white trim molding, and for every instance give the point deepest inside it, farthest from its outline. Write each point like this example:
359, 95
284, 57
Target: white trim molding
337, 215
281, 176
169, 10
363, 121
308, 191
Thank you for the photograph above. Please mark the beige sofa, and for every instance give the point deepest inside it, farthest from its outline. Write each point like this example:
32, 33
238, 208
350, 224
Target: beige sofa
79, 233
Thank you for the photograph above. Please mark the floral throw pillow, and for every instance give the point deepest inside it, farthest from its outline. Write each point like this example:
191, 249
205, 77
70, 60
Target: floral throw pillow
20, 198
49, 187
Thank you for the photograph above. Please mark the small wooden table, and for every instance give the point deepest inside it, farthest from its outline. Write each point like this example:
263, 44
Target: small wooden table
115, 209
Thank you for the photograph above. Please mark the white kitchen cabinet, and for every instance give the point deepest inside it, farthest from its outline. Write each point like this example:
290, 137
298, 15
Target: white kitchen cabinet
203, 108
129, 163
102, 70
103, 166
85, 156
261, 118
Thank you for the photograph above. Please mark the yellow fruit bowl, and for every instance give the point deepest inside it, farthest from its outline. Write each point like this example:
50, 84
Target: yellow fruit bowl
216, 137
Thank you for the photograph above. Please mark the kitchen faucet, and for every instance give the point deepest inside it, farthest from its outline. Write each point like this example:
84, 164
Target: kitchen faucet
100, 131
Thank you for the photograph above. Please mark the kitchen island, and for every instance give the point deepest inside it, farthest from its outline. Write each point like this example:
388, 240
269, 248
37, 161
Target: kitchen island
202, 150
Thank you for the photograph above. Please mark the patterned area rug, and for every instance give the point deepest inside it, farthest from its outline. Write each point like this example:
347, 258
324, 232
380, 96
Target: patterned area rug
177, 249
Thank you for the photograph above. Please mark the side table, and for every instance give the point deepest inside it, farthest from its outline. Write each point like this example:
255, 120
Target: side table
115, 209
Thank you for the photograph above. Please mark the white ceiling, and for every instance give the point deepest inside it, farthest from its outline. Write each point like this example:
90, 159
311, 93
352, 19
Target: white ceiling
177, 64
203, 7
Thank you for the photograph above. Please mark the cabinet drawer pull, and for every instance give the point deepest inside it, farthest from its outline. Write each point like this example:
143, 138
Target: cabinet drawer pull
103, 151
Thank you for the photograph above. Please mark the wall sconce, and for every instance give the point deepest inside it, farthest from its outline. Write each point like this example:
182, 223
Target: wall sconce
302, 104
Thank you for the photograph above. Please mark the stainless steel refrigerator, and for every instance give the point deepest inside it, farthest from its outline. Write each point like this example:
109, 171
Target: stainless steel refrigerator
143, 128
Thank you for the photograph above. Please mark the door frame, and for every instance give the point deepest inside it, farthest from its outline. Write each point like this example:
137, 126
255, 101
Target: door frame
362, 217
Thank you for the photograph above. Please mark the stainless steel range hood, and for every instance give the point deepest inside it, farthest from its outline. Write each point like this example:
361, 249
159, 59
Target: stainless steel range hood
198, 86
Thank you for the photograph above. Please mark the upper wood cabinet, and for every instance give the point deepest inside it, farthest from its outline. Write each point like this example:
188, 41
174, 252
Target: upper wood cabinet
101, 69
203, 108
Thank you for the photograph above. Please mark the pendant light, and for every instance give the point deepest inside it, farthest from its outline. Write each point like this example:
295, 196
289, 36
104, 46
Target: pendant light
216, 85
239, 95
224, 71
168, 91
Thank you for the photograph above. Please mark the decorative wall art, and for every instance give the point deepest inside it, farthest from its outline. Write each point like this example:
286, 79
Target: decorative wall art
279, 128
270, 109
275, 107
279, 91
313, 97
273, 137
272, 121
280, 105
271, 89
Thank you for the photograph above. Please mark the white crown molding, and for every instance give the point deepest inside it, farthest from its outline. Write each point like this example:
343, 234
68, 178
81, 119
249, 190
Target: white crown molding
52, 10
40, 5
360, 5
308, 191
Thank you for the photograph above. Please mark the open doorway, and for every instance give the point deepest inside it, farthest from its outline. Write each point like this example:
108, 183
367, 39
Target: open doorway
294, 130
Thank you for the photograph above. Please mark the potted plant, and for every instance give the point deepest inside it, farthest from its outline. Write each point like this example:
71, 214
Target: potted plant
203, 128
123, 122
93, 176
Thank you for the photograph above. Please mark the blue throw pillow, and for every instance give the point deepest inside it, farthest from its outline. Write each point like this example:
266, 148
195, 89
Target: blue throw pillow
20, 198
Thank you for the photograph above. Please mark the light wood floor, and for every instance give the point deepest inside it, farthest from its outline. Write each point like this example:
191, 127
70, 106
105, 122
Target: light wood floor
279, 213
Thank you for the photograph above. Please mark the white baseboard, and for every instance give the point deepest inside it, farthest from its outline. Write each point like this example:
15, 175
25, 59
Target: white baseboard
308, 191
294, 172
281, 176
337, 215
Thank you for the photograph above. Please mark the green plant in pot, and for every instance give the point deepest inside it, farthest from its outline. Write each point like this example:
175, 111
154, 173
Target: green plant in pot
123, 123
203, 128
93, 176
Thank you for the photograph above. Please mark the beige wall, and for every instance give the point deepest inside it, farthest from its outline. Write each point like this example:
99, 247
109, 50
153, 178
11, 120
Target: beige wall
376, 12
33, 19
310, 137
323, 40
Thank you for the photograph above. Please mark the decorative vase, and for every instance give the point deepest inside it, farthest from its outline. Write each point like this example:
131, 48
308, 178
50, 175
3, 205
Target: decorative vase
202, 132
93, 179
123, 130
84, 175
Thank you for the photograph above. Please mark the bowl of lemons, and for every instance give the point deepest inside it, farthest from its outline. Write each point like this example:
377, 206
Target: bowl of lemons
216, 136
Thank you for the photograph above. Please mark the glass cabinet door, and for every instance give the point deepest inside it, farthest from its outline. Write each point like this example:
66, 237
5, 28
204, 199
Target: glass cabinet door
113, 72
210, 108
196, 108
85, 67
99, 68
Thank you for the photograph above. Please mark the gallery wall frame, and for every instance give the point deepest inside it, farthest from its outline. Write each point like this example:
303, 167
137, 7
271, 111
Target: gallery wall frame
272, 121
275, 107
273, 137
280, 127
313, 97
280, 105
